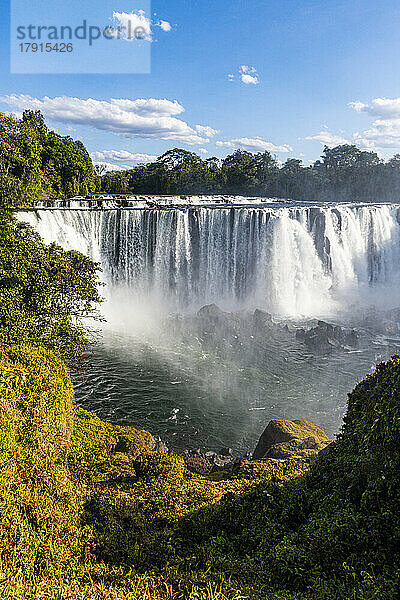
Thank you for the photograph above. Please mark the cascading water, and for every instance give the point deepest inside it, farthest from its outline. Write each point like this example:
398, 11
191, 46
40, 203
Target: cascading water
294, 260
291, 261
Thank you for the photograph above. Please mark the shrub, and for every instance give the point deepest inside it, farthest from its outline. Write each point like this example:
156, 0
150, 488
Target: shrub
156, 464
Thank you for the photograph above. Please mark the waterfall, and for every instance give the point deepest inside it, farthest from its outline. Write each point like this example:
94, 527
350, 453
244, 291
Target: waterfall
293, 261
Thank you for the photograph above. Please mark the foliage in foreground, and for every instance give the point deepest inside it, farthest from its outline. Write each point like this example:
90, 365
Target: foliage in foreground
88, 511
44, 291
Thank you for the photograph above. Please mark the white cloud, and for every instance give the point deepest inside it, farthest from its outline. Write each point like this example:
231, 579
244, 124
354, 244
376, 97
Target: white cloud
165, 25
388, 108
122, 156
128, 26
256, 144
385, 131
328, 139
206, 131
382, 134
203, 150
135, 25
249, 75
247, 79
141, 118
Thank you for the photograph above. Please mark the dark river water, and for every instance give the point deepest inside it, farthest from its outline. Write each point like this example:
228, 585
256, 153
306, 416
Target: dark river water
192, 396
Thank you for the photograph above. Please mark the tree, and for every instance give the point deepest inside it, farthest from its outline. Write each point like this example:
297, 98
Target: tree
38, 163
239, 172
45, 292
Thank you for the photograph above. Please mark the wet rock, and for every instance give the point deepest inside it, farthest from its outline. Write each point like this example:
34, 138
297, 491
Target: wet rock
210, 454
159, 445
325, 337
198, 464
209, 461
262, 319
222, 463
212, 317
226, 452
283, 439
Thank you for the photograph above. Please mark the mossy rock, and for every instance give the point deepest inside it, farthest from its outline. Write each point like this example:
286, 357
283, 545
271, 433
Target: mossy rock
297, 448
94, 443
91, 446
298, 435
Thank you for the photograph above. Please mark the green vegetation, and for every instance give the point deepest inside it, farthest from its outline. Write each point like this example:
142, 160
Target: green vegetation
343, 173
37, 163
45, 292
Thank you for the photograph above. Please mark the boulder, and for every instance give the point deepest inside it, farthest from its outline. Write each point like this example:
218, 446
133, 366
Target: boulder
211, 317
290, 439
325, 337
262, 319
160, 446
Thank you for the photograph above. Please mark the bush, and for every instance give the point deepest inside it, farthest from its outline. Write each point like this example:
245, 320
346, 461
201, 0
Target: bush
156, 464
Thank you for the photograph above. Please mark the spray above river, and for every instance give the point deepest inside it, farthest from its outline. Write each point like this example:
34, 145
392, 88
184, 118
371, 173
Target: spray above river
160, 366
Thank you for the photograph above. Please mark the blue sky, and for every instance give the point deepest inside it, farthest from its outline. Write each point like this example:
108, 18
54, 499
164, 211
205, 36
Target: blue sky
304, 73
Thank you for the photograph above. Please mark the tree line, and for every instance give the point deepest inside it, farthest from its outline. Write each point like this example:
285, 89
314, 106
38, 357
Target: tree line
37, 163
343, 173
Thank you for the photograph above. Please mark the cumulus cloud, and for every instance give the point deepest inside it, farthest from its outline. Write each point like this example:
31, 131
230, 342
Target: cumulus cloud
388, 108
206, 131
135, 25
256, 144
249, 75
383, 134
142, 118
128, 26
203, 150
122, 156
328, 139
385, 130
